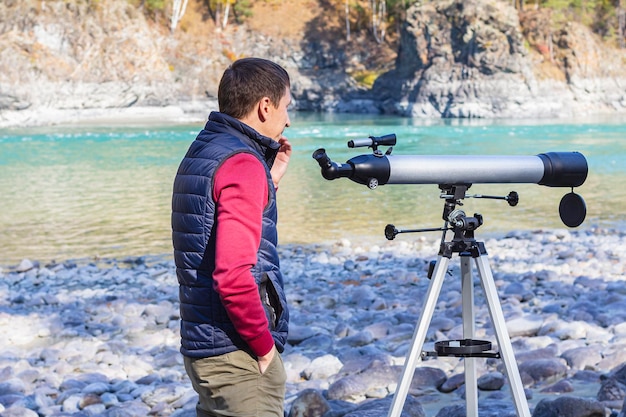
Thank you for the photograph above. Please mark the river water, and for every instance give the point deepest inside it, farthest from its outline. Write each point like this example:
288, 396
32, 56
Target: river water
75, 191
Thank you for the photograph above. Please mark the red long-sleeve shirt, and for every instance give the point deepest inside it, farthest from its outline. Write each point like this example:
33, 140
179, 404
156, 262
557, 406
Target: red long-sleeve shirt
241, 192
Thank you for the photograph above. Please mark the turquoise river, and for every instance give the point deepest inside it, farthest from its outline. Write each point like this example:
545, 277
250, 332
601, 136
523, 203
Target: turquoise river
71, 192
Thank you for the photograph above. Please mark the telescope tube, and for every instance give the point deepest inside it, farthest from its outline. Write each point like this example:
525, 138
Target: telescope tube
553, 169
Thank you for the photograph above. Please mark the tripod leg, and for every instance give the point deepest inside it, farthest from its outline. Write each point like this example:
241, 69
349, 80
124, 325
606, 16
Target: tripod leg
467, 290
436, 281
502, 335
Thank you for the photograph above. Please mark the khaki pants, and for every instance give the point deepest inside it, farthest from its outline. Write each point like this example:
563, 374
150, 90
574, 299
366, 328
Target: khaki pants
231, 385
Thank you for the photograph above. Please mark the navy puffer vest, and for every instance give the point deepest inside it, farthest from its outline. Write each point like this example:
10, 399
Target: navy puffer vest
206, 329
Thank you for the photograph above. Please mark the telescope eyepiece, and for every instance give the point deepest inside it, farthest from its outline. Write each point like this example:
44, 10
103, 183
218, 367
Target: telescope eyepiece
330, 169
322, 159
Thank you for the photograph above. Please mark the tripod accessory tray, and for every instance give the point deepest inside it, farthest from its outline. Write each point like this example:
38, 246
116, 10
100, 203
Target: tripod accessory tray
464, 348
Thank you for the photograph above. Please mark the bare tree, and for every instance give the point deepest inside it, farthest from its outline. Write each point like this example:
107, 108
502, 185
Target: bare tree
226, 5
347, 6
379, 18
178, 10
621, 23
222, 12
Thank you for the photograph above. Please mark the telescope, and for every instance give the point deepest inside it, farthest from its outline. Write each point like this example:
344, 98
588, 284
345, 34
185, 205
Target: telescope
455, 175
552, 169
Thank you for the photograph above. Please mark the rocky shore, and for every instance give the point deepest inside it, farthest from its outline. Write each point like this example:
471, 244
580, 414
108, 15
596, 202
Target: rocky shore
99, 337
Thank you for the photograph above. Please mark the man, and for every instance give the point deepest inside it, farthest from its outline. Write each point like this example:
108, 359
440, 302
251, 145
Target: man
234, 315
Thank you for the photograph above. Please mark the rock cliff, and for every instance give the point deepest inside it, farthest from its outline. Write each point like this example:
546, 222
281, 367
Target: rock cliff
63, 61
469, 59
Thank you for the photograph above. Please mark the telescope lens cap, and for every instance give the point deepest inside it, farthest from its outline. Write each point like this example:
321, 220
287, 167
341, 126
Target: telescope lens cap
572, 210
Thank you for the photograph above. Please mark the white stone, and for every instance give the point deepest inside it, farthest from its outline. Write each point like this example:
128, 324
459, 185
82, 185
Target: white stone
528, 325
323, 367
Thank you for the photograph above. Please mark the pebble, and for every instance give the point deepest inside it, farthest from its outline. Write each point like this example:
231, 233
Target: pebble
100, 337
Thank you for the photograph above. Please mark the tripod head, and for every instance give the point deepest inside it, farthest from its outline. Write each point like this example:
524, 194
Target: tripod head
455, 219
552, 169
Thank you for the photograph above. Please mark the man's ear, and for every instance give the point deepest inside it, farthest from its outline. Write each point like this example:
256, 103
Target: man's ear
264, 107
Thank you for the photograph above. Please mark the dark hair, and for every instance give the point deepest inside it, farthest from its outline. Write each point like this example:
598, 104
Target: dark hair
246, 81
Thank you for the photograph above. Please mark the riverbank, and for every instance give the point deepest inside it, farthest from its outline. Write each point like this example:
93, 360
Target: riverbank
100, 337
182, 113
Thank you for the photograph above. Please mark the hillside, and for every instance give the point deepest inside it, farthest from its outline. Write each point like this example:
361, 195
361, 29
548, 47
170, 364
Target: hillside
87, 58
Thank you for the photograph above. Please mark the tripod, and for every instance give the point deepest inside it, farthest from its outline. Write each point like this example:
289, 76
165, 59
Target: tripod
468, 248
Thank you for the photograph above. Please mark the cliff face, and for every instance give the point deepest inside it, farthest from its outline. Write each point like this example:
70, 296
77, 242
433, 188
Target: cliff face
462, 58
62, 61
456, 59
66, 55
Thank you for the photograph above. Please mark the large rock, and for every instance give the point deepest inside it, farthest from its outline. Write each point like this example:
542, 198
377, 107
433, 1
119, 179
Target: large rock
458, 59
309, 403
378, 377
542, 369
569, 406
461, 58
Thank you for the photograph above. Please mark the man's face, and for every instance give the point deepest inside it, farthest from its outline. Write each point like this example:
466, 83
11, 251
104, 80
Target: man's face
279, 117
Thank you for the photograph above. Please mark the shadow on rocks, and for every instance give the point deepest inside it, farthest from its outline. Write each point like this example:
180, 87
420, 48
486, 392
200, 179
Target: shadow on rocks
312, 403
492, 409
569, 406
376, 408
